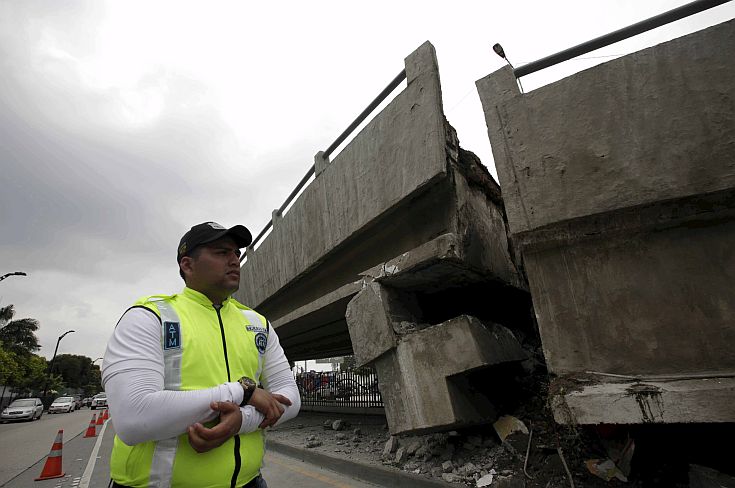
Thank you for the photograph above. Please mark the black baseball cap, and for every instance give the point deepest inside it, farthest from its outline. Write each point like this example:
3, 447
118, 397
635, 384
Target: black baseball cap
211, 231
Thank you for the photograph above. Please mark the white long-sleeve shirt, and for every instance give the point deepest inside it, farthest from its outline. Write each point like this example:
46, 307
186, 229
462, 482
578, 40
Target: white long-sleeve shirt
132, 375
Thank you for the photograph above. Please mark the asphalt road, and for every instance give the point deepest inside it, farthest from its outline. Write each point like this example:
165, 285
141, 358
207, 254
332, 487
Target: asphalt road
24, 446
24, 443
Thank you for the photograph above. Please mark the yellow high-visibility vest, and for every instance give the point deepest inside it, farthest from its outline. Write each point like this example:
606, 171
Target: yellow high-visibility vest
202, 347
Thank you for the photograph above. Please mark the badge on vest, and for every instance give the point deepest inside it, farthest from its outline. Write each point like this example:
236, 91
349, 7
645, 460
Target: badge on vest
172, 337
261, 342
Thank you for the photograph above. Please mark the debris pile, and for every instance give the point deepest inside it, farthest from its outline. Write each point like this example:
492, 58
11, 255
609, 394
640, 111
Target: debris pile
529, 450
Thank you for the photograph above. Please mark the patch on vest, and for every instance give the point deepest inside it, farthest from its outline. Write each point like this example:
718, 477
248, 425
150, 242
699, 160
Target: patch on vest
172, 337
255, 328
261, 342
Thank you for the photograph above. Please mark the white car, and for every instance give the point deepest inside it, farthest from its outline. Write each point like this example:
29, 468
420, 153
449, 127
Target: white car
62, 404
23, 409
98, 401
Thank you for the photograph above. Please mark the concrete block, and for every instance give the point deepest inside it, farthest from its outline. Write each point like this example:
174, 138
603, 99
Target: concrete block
422, 382
369, 323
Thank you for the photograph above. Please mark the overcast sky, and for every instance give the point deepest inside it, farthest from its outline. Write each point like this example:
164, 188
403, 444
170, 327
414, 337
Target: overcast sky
124, 123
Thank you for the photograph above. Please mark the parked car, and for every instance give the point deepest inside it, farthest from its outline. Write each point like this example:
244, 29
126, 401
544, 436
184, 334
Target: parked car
22, 409
62, 404
77, 402
99, 401
87, 401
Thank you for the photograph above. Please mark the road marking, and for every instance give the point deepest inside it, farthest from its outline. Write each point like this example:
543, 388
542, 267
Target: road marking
87, 475
310, 474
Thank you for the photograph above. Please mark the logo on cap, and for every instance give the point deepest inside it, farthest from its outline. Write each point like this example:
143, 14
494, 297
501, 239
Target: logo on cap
215, 225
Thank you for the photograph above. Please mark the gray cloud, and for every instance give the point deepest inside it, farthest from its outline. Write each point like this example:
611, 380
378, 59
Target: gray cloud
100, 179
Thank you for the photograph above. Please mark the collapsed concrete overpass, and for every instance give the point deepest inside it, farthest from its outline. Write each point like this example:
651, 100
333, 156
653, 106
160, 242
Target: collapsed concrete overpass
619, 184
400, 221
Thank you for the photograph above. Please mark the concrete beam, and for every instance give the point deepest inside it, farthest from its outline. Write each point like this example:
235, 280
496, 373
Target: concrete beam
672, 104
399, 154
643, 402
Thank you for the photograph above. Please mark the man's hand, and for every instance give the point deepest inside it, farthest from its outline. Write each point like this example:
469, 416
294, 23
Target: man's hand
203, 439
269, 405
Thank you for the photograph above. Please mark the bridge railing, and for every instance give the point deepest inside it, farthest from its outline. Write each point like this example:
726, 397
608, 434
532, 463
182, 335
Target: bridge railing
616, 36
342, 137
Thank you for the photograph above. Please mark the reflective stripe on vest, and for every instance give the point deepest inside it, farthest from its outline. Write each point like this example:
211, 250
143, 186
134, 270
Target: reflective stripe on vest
162, 465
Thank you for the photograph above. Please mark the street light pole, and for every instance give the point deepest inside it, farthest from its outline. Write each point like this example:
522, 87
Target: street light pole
51, 364
14, 273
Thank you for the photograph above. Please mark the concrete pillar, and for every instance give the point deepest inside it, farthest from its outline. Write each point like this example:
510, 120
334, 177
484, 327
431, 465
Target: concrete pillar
276, 217
320, 163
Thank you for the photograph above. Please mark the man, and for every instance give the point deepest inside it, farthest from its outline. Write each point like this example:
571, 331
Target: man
193, 379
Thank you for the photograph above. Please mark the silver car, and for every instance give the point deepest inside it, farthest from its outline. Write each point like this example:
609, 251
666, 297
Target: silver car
62, 404
99, 401
23, 409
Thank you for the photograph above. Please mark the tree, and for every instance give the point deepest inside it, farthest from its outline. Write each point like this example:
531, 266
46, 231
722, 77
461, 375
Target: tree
74, 369
95, 381
10, 370
6, 314
18, 336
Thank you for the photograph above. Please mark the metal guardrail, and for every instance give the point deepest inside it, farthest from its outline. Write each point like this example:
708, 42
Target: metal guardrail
360, 118
618, 35
345, 389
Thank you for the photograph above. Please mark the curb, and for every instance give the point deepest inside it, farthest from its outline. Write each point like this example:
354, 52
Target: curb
364, 472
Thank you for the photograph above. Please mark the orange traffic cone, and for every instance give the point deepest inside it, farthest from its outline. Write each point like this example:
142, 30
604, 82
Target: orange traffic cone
52, 468
106, 414
100, 420
92, 429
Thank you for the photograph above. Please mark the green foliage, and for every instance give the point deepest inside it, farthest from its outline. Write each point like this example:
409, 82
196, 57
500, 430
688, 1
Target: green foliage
18, 336
76, 371
10, 370
34, 373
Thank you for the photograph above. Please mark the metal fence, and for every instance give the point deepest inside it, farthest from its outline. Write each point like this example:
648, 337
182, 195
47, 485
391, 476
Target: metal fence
352, 389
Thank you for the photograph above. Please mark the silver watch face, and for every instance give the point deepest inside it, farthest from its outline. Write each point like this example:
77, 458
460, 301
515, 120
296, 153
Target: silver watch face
248, 384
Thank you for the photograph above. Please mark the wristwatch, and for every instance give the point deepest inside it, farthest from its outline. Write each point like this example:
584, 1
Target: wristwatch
248, 388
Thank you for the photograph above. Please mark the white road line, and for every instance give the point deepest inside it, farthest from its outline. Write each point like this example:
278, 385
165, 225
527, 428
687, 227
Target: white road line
87, 475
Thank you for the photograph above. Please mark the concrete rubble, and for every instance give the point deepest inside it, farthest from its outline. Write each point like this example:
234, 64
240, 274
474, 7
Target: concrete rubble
664, 458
